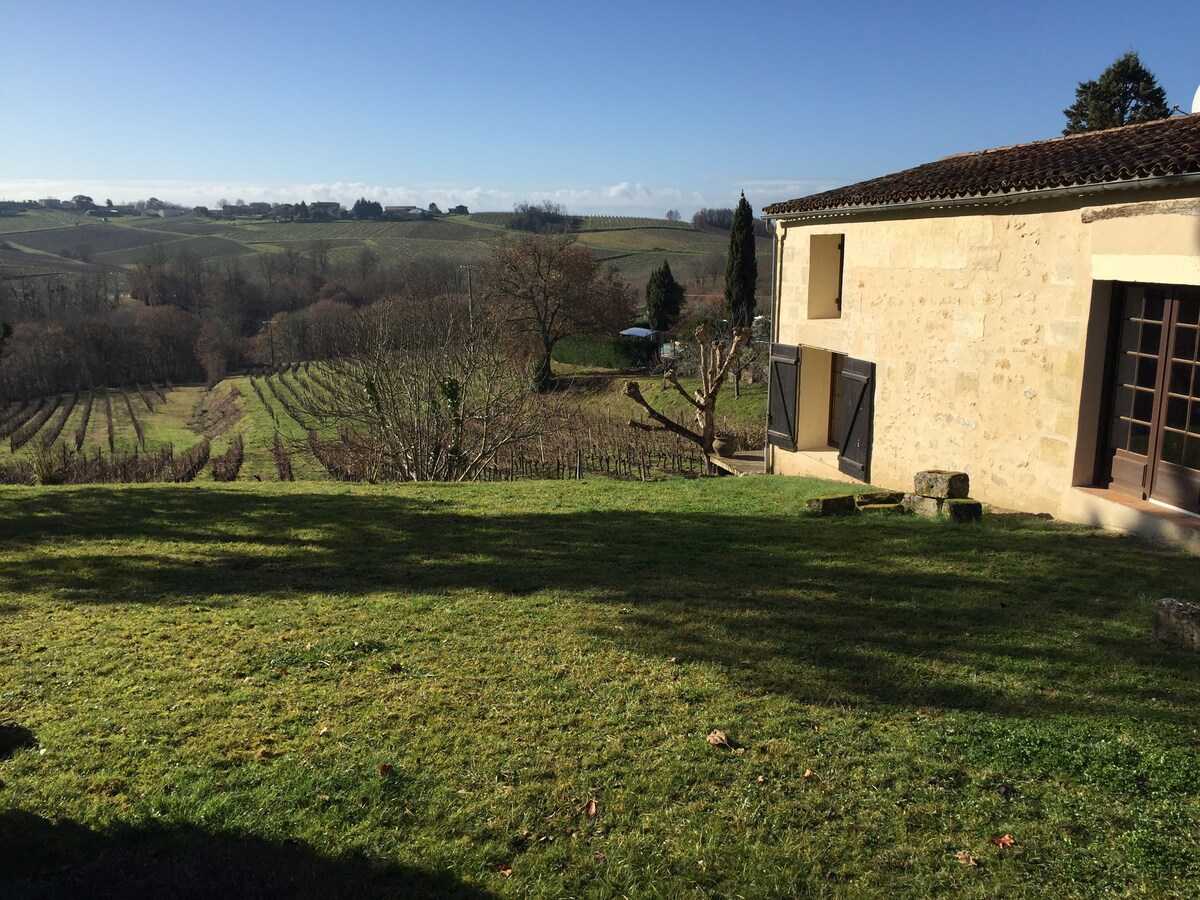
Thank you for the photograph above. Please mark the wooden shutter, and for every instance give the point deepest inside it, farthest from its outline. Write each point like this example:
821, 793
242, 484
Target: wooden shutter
858, 414
782, 394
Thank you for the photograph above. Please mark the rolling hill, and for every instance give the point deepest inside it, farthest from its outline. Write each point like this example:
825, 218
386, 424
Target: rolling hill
47, 242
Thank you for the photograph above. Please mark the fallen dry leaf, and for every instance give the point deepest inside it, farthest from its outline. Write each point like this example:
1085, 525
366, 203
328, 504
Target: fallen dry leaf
965, 858
761, 779
674, 660
386, 768
396, 667
308, 646
590, 809
323, 732
1002, 842
808, 773
506, 870
717, 739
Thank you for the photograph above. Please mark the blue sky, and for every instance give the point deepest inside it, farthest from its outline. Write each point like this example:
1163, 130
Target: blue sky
626, 108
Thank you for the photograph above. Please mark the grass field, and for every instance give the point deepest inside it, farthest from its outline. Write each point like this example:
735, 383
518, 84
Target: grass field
506, 690
46, 241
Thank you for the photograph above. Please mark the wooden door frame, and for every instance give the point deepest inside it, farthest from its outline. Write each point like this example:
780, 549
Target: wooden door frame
1106, 454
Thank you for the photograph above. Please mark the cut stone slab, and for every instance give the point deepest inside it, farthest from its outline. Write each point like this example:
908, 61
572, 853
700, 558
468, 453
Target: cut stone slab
943, 485
875, 497
962, 511
883, 509
839, 505
923, 506
1177, 622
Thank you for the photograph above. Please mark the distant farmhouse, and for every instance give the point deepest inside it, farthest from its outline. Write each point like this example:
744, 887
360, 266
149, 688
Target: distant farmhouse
1029, 315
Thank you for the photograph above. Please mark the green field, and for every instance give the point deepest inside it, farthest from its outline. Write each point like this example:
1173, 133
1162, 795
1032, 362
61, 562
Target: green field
318, 690
49, 241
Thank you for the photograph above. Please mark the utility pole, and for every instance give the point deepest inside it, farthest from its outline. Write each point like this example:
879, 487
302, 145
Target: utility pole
470, 294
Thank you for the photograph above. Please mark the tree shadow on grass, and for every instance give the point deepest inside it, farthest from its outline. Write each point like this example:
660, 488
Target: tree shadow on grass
14, 737
1017, 617
44, 859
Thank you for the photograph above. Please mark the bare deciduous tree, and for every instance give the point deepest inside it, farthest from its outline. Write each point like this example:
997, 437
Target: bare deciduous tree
551, 287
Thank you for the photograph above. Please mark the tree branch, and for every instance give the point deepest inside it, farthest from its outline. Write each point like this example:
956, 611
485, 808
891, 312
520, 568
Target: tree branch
634, 392
673, 379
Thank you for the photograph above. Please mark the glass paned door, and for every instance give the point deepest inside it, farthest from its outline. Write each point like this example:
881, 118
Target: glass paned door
1154, 432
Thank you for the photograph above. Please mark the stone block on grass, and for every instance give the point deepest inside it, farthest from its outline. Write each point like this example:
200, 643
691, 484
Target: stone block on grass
883, 509
943, 485
962, 511
923, 506
1177, 622
871, 498
839, 505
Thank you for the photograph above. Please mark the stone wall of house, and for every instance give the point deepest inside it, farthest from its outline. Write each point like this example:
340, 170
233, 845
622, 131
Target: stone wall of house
987, 328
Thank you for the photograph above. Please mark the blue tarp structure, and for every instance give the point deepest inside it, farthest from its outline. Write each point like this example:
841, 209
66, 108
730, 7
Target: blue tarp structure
638, 332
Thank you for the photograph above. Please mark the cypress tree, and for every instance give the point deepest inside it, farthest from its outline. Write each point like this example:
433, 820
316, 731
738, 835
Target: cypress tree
741, 267
664, 298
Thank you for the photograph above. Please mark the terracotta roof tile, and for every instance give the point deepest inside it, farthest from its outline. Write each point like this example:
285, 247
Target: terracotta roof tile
1151, 149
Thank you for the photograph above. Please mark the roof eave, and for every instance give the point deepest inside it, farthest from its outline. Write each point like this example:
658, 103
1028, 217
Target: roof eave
989, 199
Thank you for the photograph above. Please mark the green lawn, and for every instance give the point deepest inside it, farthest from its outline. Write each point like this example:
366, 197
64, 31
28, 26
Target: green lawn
321, 690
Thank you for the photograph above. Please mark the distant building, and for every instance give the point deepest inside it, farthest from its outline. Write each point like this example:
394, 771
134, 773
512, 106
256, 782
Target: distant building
50, 203
326, 206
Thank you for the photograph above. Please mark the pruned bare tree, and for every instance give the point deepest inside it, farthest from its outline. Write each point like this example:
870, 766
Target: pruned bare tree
717, 359
425, 392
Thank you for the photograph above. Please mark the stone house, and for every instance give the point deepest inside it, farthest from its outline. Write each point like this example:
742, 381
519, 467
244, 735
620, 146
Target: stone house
1029, 315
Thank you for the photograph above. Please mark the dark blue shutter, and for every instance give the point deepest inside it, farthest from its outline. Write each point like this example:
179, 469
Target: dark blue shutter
782, 394
857, 419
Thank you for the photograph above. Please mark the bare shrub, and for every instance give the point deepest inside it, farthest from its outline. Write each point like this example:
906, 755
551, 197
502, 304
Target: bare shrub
33, 424
84, 418
10, 415
137, 426
283, 462
427, 392
23, 415
226, 466
112, 433
17, 472
191, 462
54, 429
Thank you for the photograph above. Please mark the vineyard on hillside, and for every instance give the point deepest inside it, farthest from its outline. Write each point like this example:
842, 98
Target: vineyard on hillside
261, 427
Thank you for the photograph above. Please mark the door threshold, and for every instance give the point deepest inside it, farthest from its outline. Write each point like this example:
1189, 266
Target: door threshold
1175, 509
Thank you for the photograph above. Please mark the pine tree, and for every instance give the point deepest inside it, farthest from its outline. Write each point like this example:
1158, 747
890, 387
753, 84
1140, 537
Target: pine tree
664, 298
741, 267
1125, 93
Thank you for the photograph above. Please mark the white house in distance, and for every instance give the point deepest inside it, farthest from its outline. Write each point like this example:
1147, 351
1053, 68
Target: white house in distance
1029, 315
